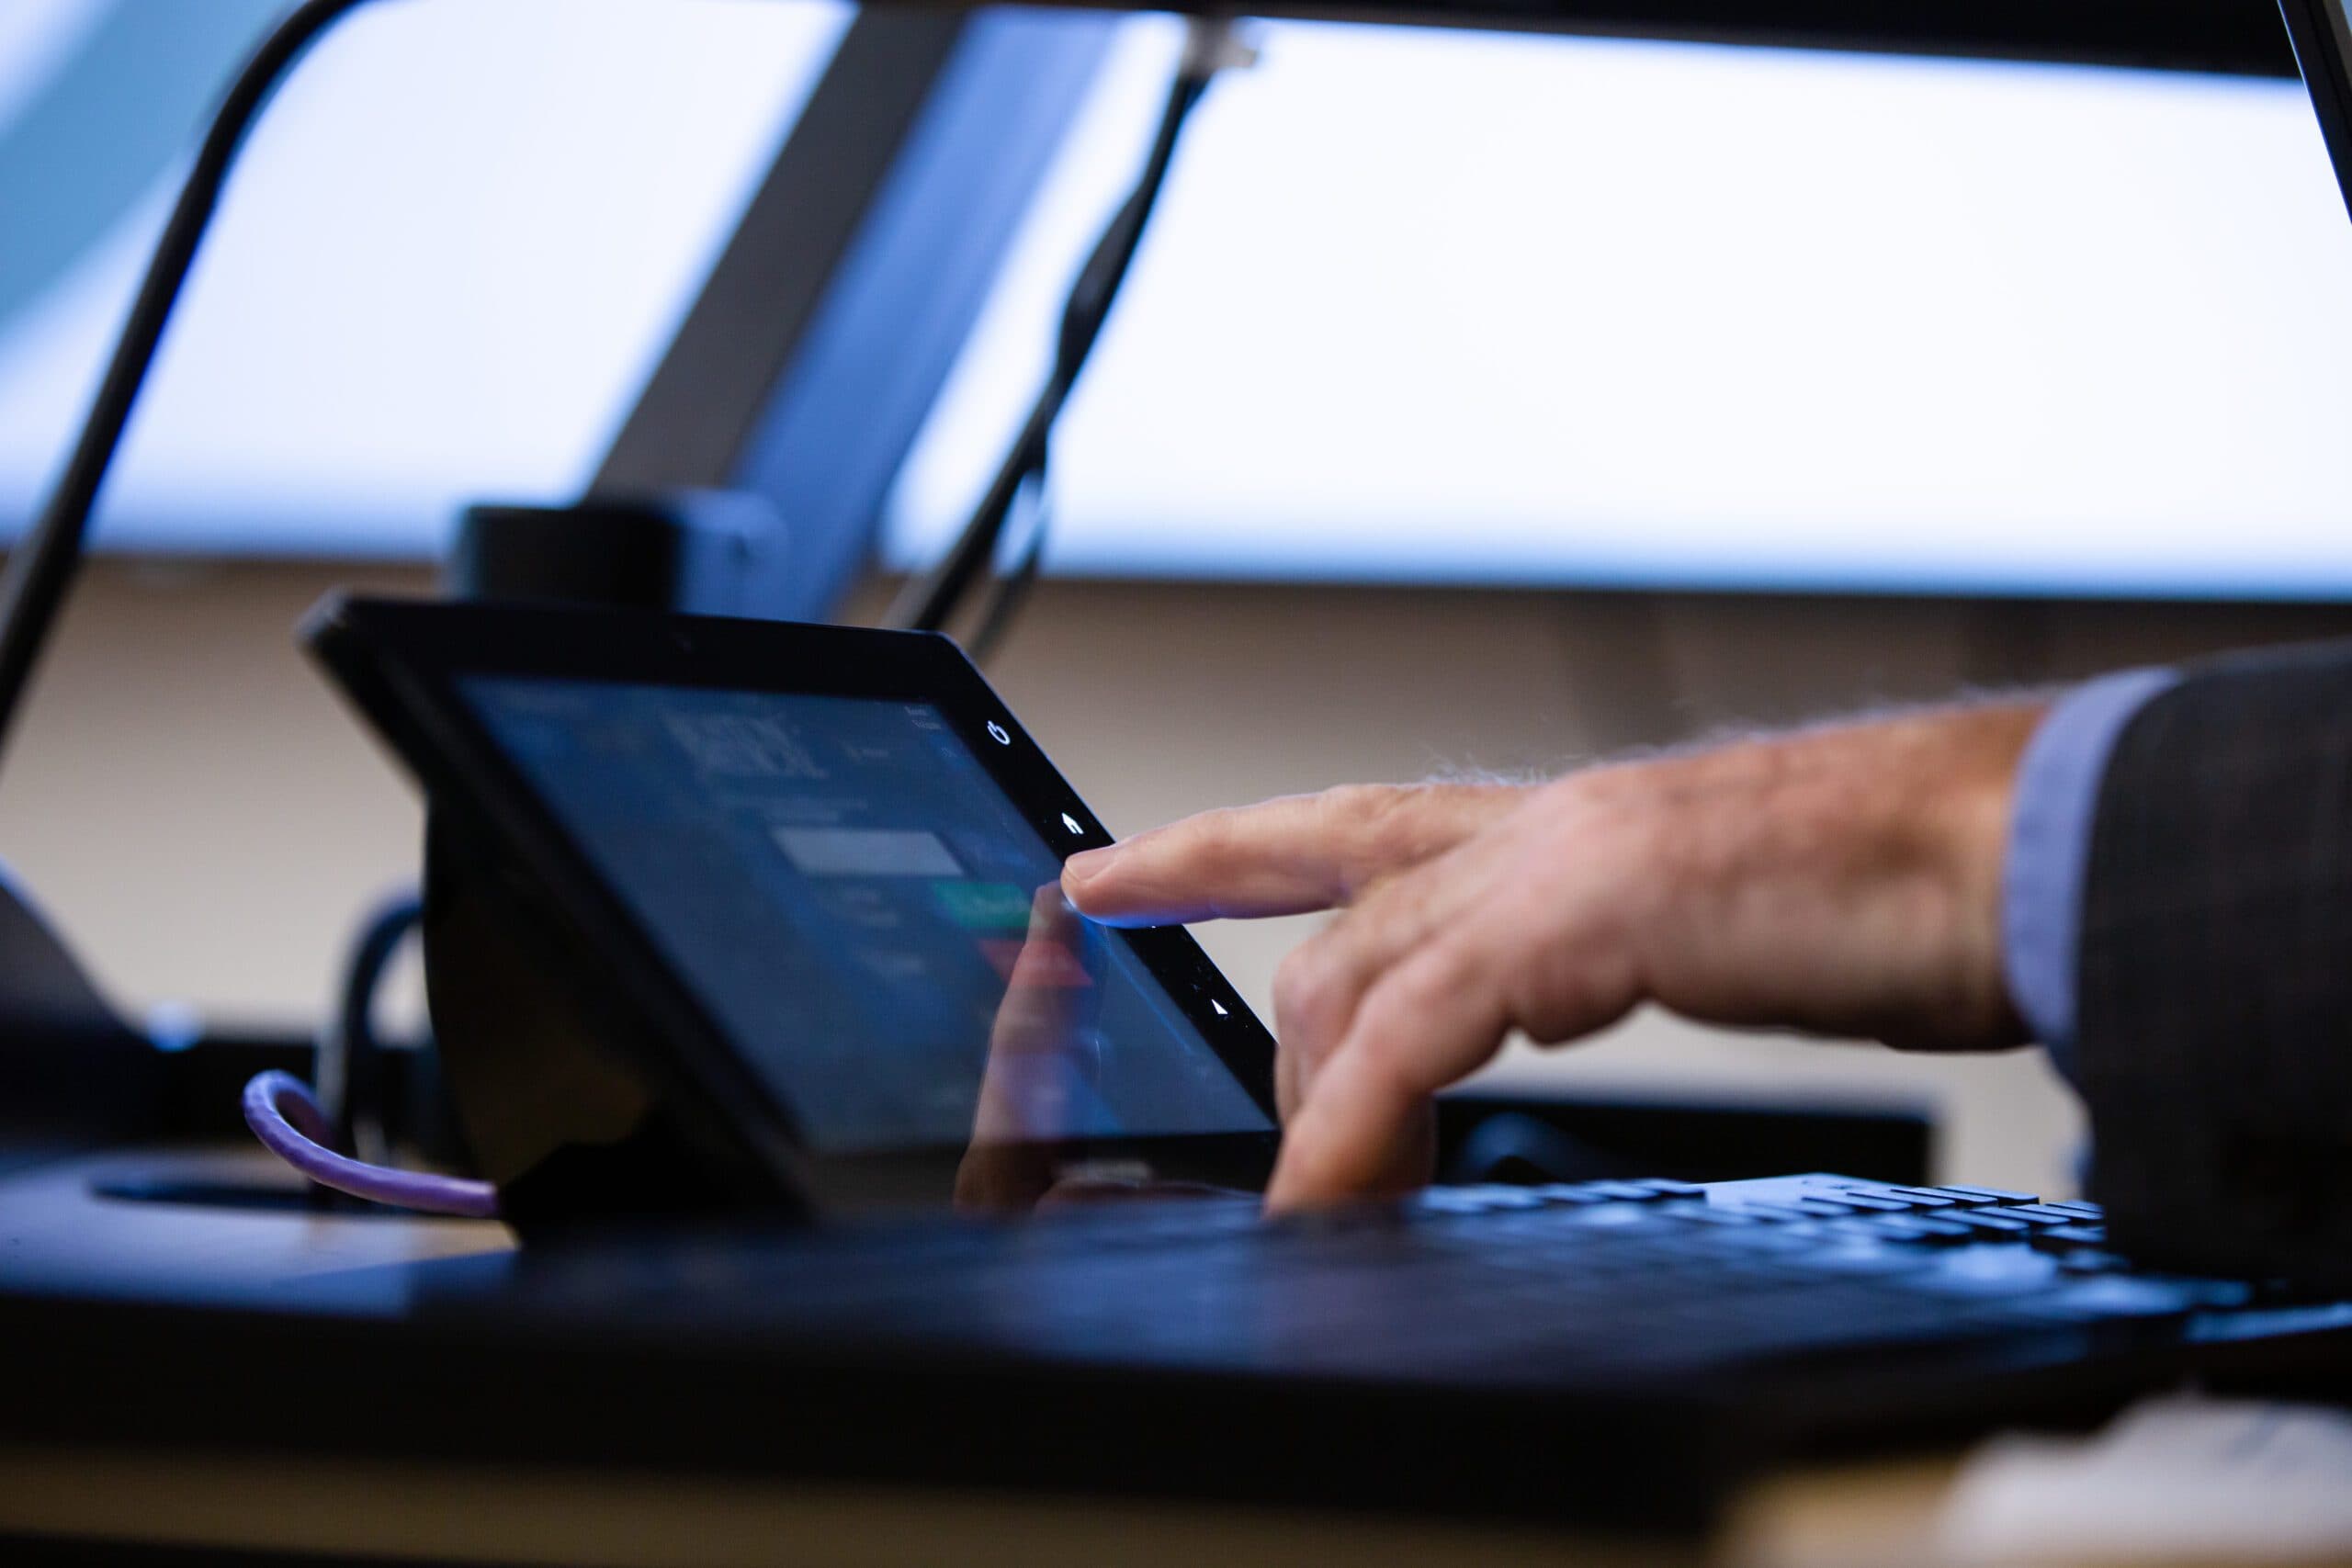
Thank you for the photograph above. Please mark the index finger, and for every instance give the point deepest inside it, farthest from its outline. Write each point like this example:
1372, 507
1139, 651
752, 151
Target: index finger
1287, 856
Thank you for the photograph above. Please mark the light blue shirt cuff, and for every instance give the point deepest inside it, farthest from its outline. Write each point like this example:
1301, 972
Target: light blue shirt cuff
2050, 847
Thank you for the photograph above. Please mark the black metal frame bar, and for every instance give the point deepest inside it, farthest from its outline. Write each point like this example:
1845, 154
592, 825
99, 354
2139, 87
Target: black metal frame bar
698, 408
828, 440
2233, 37
2322, 33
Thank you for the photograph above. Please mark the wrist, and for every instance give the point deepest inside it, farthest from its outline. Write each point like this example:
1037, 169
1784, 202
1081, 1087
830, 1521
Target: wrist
1987, 745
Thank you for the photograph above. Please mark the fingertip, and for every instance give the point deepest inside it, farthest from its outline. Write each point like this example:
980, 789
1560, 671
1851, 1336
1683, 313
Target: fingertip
1283, 1192
1079, 873
1236, 864
1299, 1186
1091, 884
1351, 1139
1296, 1184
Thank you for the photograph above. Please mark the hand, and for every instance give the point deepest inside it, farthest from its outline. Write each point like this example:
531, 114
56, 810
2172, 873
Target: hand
1837, 881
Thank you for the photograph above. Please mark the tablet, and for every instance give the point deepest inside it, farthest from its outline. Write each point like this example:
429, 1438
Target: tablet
818, 868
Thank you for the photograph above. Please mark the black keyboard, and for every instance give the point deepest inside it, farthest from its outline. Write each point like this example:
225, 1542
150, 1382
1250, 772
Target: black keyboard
1617, 1353
1608, 1280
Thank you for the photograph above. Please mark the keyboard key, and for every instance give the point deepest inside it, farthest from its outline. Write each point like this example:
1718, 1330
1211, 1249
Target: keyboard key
1990, 1194
1625, 1191
1854, 1199
2024, 1212
1915, 1227
2044, 1214
1996, 1224
1800, 1208
1667, 1188
1909, 1197
2084, 1235
1938, 1195
1567, 1193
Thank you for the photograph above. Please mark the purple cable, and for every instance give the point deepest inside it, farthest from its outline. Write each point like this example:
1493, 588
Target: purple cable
279, 1110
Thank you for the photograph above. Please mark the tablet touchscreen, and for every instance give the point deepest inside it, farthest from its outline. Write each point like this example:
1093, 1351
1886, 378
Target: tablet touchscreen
862, 909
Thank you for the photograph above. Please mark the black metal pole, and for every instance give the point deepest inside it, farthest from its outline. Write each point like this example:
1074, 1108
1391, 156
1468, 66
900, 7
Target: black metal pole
930, 598
42, 568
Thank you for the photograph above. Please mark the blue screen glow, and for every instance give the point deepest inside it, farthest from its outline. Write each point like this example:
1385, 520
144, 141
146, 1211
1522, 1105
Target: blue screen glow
874, 926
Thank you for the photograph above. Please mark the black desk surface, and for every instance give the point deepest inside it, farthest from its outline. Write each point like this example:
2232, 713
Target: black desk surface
220, 1376
134, 1456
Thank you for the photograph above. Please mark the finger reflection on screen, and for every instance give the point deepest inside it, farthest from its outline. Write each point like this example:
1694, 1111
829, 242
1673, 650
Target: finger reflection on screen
1044, 1062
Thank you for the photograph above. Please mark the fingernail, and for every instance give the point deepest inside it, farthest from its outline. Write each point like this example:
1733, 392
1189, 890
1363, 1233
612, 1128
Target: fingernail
1085, 865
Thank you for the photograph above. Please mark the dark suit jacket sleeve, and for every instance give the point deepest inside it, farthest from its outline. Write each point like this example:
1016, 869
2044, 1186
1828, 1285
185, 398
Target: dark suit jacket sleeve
2215, 979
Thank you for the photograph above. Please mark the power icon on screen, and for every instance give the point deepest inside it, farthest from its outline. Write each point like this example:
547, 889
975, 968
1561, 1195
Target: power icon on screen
997, 734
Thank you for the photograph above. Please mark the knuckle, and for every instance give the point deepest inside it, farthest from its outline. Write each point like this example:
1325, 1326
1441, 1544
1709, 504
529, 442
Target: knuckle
1351, 819
1305, 989
1611, 788
1586, 792
1437, 975
1444, 971
1231, 840
1291, 984
1348, 808
1377, 828
1213, 835
1617, 813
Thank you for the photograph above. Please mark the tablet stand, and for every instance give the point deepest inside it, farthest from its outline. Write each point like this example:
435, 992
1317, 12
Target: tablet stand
542, 1062
71, 1073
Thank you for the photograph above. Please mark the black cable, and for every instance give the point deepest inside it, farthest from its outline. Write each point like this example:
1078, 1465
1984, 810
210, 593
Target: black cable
349, 1070
927, 602
1012, 591
42, 568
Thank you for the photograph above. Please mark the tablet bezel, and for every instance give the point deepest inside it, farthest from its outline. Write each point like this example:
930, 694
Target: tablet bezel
401, 663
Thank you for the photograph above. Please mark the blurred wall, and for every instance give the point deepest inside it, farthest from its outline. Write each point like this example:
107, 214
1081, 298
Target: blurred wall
205, 821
